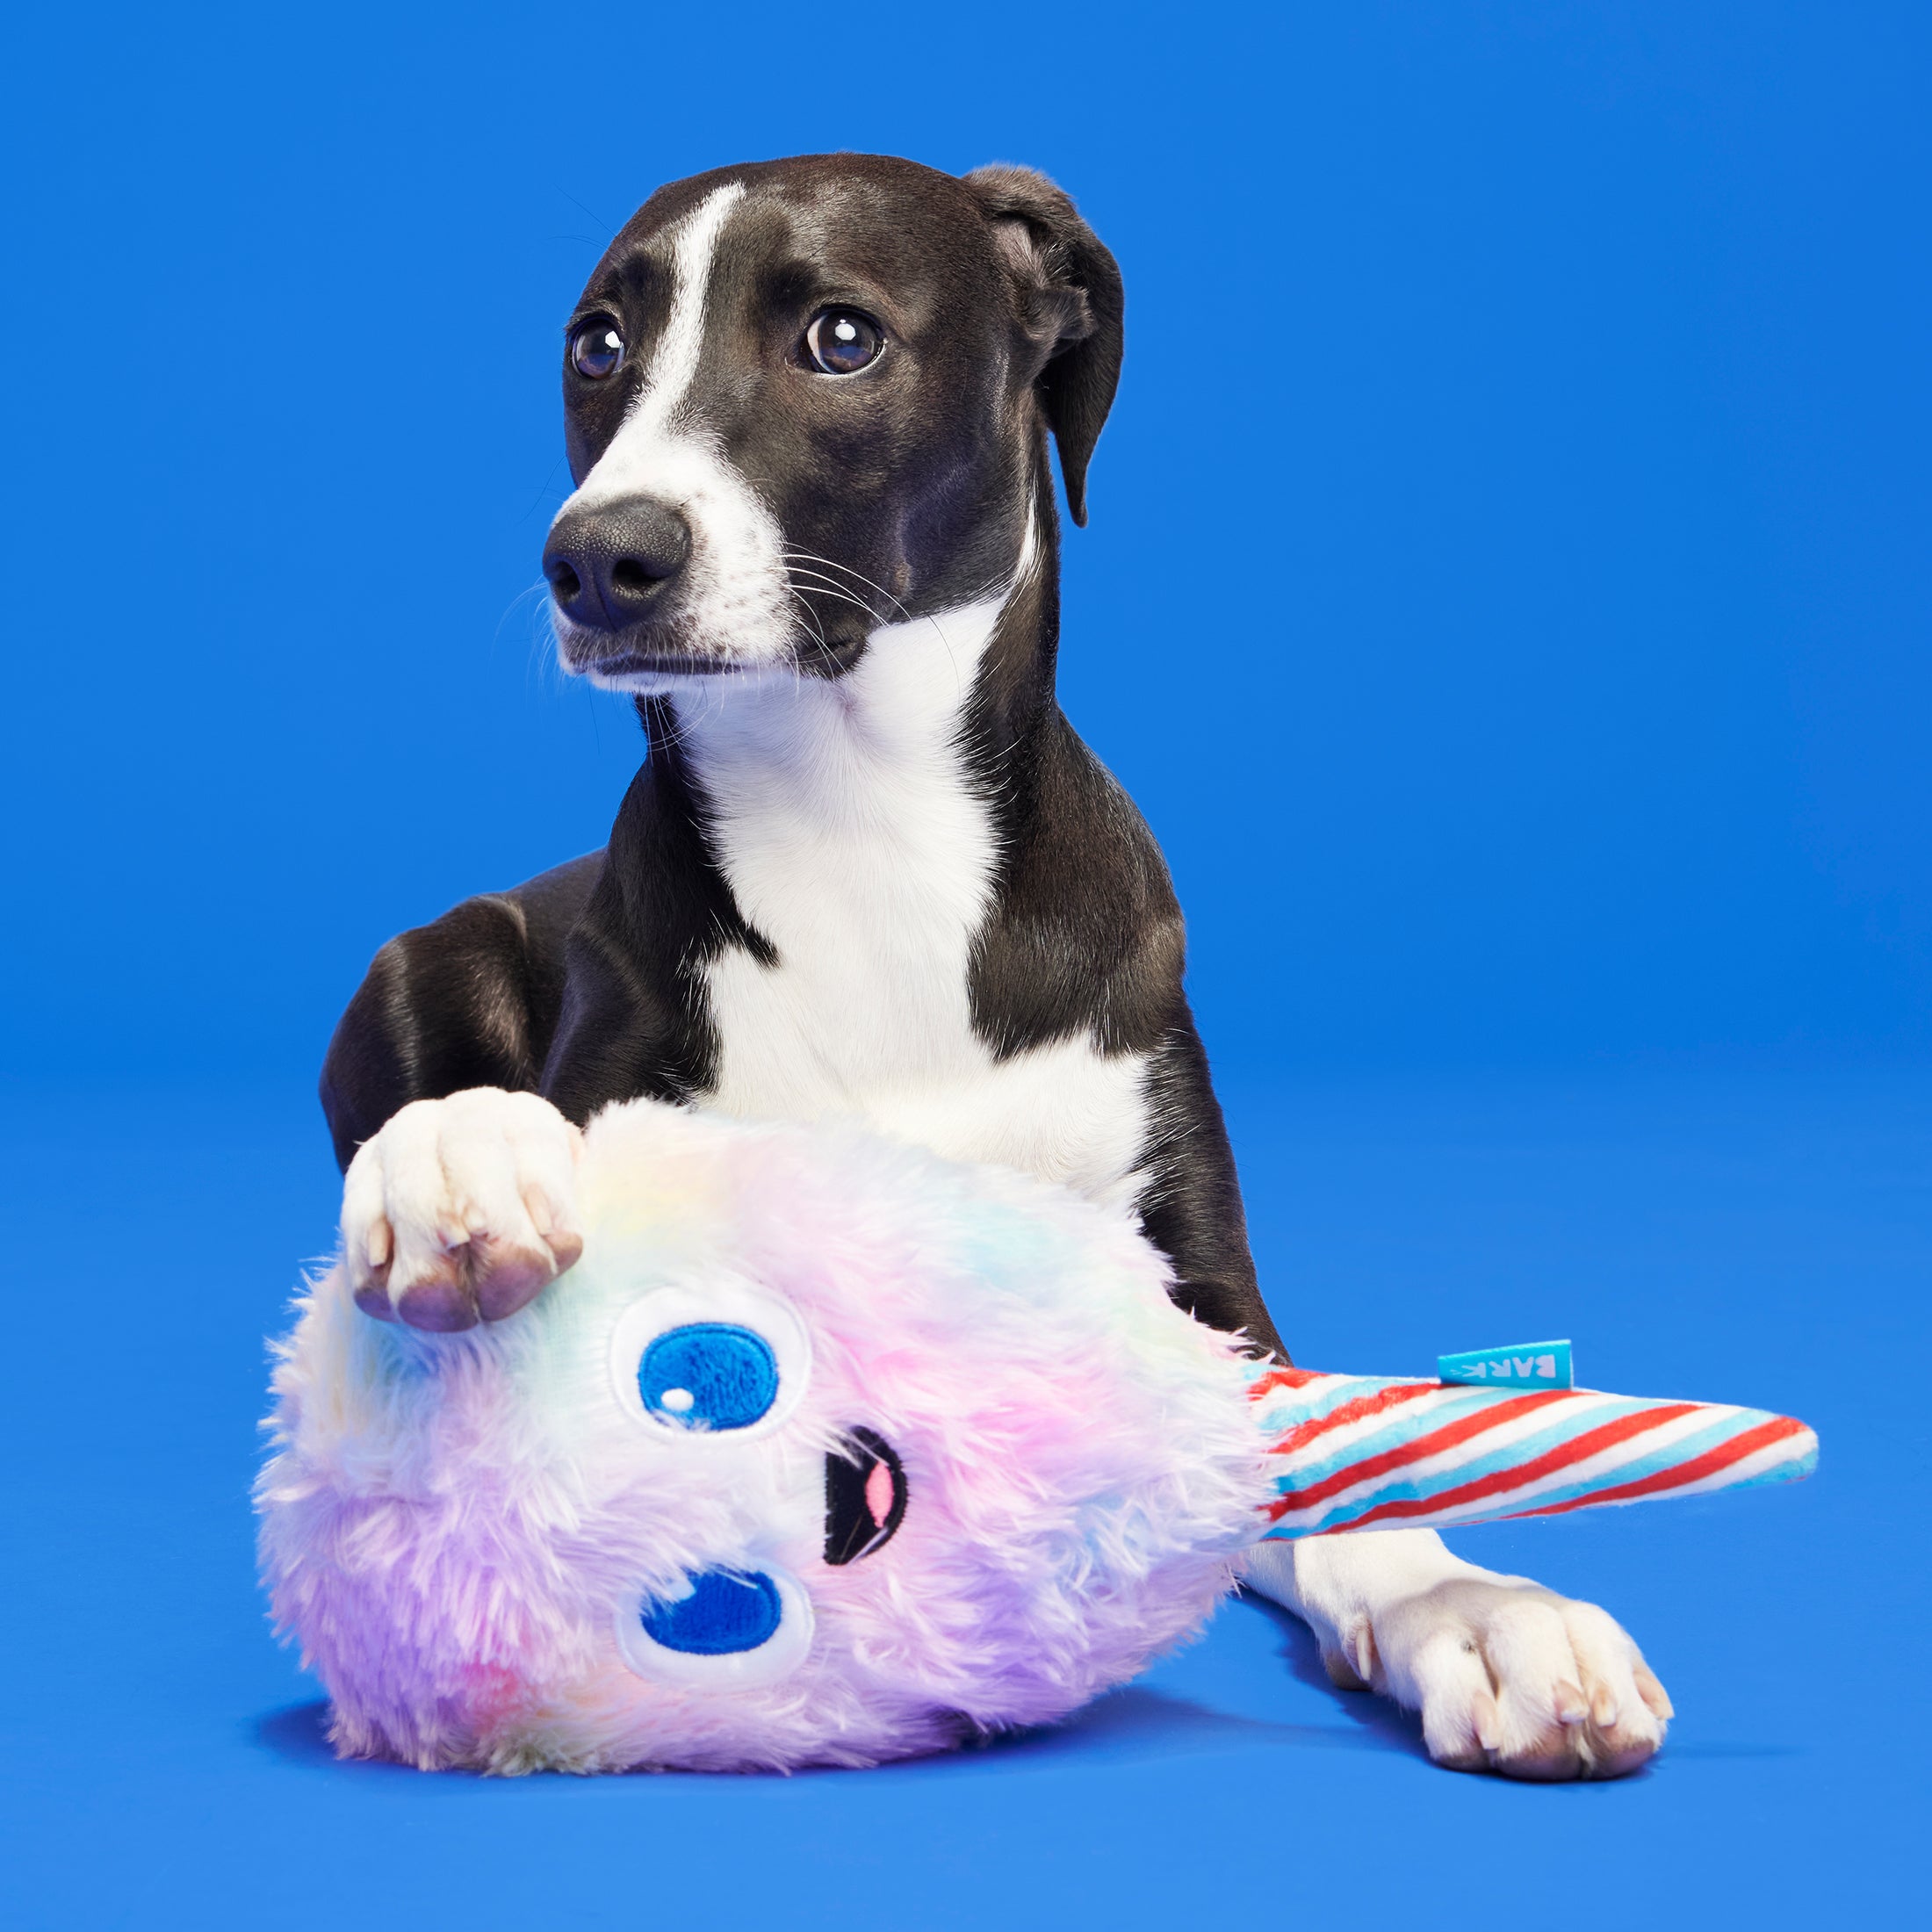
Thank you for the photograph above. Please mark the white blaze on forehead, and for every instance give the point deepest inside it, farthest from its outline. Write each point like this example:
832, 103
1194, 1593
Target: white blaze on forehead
674, 367
732, 603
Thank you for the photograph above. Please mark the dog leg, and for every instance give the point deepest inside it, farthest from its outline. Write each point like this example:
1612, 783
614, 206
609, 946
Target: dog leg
1508, 1677
460, 1209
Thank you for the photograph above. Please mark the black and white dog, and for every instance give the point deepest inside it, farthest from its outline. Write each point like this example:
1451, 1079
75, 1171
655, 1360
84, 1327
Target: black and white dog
868, 868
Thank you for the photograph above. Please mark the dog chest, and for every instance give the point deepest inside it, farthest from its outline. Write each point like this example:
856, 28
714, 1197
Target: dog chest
853, 840
792, 1046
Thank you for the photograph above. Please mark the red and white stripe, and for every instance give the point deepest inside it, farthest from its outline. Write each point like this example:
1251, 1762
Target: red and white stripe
1357, 1451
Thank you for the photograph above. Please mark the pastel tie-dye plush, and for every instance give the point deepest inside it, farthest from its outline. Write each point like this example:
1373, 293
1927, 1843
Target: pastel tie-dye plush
828, 1450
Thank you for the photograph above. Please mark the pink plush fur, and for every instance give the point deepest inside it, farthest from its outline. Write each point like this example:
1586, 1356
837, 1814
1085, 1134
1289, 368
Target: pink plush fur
456, 1527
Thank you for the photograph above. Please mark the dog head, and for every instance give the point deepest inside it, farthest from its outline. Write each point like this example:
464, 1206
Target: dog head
805, 400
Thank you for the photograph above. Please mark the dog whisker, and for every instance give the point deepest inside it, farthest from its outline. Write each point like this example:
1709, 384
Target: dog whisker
824, 577
810, 557
825, 589
609, 227
811, 618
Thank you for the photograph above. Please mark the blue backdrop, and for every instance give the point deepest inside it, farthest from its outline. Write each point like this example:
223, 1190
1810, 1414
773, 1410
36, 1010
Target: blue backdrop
1506, 584
1505, 594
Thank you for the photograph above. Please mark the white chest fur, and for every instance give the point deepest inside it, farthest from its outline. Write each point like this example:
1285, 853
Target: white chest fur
853, 841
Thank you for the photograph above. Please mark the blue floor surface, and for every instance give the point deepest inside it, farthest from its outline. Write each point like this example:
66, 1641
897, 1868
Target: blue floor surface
1766, 1238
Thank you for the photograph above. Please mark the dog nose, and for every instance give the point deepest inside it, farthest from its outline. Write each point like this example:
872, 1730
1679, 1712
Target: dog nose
607, 563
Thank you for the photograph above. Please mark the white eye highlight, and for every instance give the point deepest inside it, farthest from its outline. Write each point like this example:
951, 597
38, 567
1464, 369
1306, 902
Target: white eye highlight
596, 348
841, 341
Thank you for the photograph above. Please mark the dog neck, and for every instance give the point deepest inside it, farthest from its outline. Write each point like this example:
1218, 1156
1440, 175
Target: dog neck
929, 740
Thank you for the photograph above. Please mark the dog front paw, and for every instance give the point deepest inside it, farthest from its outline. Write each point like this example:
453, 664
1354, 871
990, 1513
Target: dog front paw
460, 1210
1510, 1678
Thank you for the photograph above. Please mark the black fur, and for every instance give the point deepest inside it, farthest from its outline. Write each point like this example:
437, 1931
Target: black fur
585, 983
470, 1000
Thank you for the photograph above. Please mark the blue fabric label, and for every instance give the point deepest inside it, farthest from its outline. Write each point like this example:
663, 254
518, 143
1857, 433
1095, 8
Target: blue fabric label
1526, 1364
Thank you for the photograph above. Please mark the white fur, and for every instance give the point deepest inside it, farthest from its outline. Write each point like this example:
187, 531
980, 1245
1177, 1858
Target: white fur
854, 841
1507, 1676
736, 605
485, 1166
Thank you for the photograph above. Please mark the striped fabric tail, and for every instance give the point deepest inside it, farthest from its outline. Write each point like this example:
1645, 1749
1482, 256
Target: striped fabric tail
1376, 1451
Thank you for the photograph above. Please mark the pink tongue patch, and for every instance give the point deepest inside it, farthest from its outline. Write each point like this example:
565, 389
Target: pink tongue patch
878, 1493
865, 1495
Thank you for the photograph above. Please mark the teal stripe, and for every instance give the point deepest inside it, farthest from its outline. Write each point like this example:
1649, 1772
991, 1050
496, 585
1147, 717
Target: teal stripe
1712, 1436
1409, 1424
1282, 1409
1356, 1508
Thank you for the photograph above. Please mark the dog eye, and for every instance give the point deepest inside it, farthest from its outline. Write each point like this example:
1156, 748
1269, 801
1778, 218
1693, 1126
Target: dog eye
841, 341
596, 348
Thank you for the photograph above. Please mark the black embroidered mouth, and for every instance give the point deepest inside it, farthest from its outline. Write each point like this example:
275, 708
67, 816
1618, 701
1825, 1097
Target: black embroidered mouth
865, 1496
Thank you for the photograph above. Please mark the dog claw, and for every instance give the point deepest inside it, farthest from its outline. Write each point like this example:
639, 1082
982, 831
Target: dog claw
1653, 1693
1365, 1655
1487, 1721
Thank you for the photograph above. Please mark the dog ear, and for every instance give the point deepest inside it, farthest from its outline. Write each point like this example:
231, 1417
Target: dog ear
1072, 305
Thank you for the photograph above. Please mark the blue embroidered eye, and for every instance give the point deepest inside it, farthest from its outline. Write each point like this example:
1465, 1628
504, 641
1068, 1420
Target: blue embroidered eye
709, 1375
727, 1612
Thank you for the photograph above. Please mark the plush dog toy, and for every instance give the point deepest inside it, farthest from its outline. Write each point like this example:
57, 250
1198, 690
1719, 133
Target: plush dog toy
828, 1450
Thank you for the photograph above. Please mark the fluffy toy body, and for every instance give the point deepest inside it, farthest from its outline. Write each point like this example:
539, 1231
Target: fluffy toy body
829, 1450
466, 1531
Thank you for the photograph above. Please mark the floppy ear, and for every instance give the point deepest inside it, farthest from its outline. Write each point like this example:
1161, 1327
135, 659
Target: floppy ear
1072, 305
